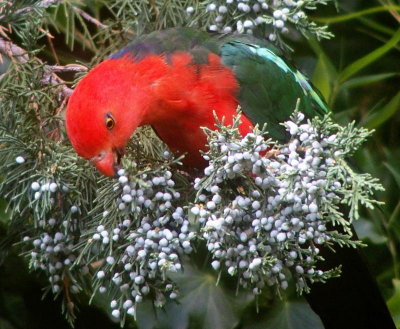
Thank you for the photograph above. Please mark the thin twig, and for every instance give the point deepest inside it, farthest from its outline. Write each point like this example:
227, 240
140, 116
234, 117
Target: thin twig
70, 303
66, 68
53, 49
3, 32
53, 79
89, 18
154, 6
17, 54
393, 12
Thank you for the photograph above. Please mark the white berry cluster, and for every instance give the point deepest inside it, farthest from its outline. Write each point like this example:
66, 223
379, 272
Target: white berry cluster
265, 209
53, 253
46, 189
146, 242
51, 242
243, 16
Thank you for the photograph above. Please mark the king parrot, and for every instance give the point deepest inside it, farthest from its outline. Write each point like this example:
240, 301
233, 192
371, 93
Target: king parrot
175, 80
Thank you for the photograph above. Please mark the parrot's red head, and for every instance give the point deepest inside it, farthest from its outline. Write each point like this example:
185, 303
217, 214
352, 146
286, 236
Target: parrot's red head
103, 112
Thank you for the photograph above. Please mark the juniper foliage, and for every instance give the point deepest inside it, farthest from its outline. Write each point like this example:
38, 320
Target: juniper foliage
125, 238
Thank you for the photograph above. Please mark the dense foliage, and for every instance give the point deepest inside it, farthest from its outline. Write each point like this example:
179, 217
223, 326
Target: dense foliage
81, 233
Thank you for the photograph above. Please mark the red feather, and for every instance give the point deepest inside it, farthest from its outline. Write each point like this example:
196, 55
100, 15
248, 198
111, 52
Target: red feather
176, 97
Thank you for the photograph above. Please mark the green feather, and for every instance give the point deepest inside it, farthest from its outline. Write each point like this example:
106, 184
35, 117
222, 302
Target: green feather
269, 86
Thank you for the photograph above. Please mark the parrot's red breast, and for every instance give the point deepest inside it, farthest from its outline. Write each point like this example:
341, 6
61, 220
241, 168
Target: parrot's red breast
173, 95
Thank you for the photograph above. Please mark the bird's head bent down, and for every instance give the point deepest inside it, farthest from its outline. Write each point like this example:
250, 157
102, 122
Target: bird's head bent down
99, 116
173, 94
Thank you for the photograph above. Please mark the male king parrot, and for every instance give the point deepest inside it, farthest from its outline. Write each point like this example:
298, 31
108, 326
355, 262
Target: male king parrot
174, 80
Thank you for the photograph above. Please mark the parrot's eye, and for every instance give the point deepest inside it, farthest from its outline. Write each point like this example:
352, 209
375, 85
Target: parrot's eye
110, 122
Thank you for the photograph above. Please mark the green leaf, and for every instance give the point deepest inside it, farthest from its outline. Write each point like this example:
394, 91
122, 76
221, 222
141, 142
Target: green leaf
394, 172
203, 304
394, 303
367, 79
376, 26
393, 223
367, 230
363, 62
319, 78
171, 316
290, 315
325, 73
347, 17
385, 113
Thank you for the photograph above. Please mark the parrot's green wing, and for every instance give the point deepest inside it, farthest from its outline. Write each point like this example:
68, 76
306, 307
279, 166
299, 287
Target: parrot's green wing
269, 85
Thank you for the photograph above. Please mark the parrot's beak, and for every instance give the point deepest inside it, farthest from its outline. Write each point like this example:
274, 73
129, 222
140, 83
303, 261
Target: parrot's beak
107, 162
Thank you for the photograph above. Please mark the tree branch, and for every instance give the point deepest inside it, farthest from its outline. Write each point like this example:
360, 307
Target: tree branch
89, 18
42, 4
66, 68
12, 51
19, 55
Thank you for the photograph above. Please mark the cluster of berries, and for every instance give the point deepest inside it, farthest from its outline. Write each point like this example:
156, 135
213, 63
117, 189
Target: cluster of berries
147, 243
53, 249
263, 207
243, 16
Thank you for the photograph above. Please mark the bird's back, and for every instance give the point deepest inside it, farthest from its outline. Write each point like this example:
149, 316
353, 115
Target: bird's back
269, 86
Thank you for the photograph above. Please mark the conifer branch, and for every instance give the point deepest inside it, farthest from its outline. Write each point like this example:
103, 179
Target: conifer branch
16, 53
125, 238
41, 4
90, 18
